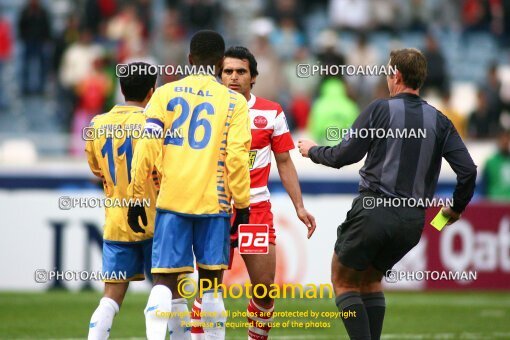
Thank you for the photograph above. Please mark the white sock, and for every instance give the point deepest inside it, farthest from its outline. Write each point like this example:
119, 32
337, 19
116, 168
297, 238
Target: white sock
159, 307
197, 336
180, 315
102, 319
213, 312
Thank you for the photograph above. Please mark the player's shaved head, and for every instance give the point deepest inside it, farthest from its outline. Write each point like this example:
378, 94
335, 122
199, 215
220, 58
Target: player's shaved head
136, 85
207, 48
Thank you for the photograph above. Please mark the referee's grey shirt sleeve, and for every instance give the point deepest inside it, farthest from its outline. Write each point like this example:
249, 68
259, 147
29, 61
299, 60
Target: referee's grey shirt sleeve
351, 149
457, 155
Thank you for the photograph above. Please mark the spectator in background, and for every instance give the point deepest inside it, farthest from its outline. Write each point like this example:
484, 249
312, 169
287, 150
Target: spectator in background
497, 171
492, 89
353, 15
70, 35
144, 8
437, 76
384, 14
35, 32
456, 118
301, 90
333, 109
363, 85
78, 60
419, 15
286, 38
280, 9
92, 92
66, 98
96, 12
92, 16
236, 14
328, 53
270, 79
201, 14
505, 32
479, 124
126, 29
77, 63
5, 55
171, 48
476, 15
446, 15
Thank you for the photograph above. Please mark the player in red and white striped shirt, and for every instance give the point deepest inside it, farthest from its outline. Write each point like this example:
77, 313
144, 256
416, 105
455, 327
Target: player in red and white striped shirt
270, 132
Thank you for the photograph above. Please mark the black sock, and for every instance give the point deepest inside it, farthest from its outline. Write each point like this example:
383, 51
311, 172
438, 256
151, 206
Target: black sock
375, 305
354, 315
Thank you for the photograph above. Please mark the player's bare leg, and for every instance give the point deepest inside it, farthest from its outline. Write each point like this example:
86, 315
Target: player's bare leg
262, 270
102, 318
347, 286
213, 308
116, 291
373, 299
169, 281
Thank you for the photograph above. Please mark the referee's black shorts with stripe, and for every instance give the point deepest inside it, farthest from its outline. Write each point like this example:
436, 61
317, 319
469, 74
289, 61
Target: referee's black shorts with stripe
377, 237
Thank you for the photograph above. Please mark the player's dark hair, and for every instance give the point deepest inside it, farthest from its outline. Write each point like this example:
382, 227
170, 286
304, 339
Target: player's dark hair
207, 48
137, 83
240, 52
411, 63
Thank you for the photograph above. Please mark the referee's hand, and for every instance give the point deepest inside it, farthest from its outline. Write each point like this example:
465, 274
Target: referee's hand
134, 212
304, 146
453, 216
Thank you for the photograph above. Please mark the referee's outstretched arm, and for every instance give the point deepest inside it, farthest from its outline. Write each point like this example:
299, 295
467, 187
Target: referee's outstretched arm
352, 148
457, 155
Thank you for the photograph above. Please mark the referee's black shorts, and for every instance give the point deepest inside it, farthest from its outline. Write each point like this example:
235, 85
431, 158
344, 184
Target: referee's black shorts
380, 236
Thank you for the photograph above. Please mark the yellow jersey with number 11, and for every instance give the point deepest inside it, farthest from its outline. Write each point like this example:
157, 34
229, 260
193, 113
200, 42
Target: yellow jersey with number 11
109, 153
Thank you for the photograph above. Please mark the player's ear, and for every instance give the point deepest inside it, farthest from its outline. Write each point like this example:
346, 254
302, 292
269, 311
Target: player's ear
253, 81
219, 67
190, 59
149, 94
398, 78
151, 91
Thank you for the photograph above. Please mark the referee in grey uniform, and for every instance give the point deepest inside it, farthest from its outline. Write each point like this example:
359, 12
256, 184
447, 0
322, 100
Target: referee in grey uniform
370, 241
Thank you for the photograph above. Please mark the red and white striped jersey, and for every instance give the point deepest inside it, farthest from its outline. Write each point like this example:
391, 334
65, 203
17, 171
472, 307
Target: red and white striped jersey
269, 131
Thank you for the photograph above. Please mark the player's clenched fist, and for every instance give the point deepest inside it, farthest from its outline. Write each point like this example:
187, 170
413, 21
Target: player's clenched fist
134, 212
242, 216
304, 146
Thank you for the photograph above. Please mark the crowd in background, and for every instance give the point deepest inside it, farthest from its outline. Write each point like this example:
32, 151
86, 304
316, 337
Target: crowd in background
68, 50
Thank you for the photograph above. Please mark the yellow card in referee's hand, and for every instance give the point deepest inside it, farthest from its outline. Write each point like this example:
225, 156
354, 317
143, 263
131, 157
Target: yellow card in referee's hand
440, 220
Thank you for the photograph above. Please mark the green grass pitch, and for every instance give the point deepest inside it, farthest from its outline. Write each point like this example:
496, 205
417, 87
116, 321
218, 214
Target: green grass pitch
409, 315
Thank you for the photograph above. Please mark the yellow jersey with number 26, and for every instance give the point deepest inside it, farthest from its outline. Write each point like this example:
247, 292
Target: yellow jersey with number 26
202, 130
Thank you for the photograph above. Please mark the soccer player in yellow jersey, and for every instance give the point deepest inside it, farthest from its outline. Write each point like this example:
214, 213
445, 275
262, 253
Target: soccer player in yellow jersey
125, 253
202, 130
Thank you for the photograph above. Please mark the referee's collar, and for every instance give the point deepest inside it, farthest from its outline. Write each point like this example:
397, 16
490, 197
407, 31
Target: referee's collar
406, 95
